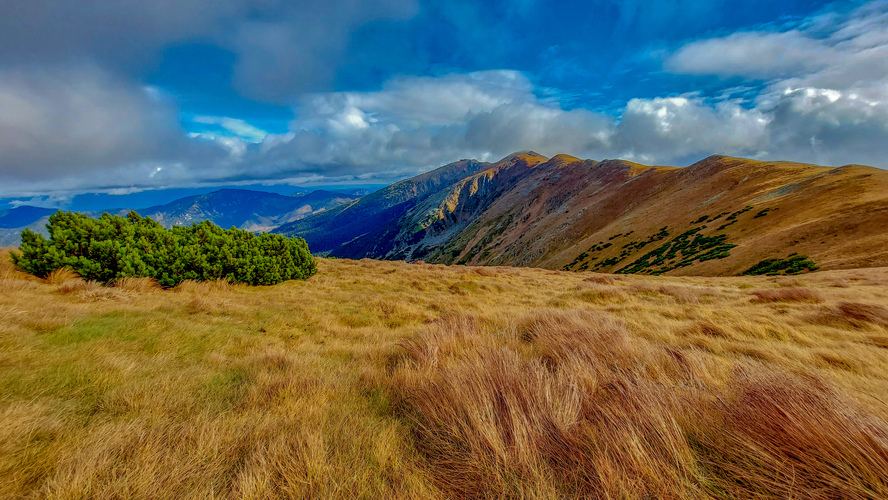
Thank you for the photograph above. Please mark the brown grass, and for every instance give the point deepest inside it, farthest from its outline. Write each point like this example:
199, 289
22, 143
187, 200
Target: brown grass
484, 271
204, 287
391, 380
788, 295
137, 285
603, 279
78, 286
872, 313
579, 409
61, 276
682, 294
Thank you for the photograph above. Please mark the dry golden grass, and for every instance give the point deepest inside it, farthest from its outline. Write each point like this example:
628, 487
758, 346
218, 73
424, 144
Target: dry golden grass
61, 276
137, 285
392, 380
794, 294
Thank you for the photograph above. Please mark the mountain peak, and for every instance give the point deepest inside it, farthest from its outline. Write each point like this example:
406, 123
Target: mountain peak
526, 155
563, 159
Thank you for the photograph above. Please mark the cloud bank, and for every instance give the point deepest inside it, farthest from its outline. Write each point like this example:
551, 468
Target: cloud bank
819, 94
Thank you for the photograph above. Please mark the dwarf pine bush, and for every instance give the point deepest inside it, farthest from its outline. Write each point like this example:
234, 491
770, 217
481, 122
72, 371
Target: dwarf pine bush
113, 247
794, 264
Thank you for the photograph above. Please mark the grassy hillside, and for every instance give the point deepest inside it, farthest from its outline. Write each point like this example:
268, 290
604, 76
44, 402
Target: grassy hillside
609, 216
370, 216
393, 380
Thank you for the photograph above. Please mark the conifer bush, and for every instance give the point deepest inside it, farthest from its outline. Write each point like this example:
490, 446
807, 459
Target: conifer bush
794, 264
113, 247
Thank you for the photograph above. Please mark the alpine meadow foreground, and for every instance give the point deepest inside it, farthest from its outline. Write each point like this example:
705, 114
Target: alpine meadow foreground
393, 380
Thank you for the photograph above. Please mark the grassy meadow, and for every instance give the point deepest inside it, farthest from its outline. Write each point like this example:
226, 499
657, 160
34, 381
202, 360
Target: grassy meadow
394, 380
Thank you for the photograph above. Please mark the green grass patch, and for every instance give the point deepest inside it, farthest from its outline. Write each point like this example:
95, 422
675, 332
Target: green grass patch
118, 325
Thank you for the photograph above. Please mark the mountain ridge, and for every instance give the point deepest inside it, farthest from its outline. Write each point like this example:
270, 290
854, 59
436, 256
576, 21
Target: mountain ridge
563, 212
242, 208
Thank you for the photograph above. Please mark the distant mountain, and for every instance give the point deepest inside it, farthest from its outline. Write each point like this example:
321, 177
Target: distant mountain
377, 211
14, 220
23, 216
719, 216
244, 209
350, 192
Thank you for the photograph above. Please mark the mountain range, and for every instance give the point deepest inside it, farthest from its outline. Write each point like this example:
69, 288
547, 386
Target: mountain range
241, 208
719, 216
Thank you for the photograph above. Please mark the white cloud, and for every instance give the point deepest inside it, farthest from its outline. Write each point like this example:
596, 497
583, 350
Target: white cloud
78, 119
830, 127
751, 54
654, 130
282, 47
414, 123
238, 128
825, 96
420, 101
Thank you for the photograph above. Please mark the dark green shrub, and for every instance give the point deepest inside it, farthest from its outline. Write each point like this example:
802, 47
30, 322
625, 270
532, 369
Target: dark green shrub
795, 264
691, 246
113, 247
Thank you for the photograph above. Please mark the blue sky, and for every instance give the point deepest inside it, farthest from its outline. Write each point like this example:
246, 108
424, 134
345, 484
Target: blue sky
131, 95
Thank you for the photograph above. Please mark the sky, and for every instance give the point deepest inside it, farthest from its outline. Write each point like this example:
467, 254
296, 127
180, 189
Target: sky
127, 96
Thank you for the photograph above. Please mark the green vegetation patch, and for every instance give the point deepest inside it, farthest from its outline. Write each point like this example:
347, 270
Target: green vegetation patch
794, 264
683, 250
117, 325
638, 245
734, 215
112, 247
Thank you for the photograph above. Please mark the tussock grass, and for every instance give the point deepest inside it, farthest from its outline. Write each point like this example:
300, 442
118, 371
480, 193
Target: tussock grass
79, 286
793, 294
603, 279
872, 313
204, 287
682, 294
583, 410
138, 285
61, 276
394, 380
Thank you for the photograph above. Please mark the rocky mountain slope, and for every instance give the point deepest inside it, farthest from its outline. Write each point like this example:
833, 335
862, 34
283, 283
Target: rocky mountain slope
371, 217
719, 216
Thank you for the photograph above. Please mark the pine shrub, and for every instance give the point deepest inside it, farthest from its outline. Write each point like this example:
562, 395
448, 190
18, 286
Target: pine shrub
112, 247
